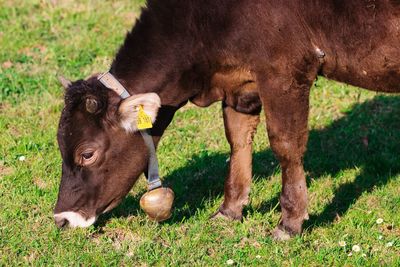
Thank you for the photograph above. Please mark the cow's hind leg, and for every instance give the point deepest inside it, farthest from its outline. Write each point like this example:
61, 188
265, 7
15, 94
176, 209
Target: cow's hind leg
285, 98
239, 130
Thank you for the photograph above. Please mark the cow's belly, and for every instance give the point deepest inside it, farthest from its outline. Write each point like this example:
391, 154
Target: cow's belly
377, 71
235, 86
371, 62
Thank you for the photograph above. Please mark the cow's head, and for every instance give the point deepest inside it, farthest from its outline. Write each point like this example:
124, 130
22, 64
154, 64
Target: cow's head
102, 152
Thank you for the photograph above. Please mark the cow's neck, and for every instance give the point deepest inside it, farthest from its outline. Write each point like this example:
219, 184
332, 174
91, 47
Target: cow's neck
171, 57
154, 56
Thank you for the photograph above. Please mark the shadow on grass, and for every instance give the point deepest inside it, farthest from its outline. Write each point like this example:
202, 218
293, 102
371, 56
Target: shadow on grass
367, 138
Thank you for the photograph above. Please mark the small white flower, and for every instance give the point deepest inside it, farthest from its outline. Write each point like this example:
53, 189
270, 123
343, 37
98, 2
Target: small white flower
380, 237
22, 158
389, 244
350, 254
356, 248
342, 243
364, 255
230, 262
379, 221
258, 257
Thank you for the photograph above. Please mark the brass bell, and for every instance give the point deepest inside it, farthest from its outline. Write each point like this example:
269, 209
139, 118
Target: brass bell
157, 203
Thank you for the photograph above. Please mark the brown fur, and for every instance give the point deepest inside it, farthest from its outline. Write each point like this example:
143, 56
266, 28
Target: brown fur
239, 130
244, 53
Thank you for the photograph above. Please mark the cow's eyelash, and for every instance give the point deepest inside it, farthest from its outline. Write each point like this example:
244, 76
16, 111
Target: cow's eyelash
87, 158
87, 155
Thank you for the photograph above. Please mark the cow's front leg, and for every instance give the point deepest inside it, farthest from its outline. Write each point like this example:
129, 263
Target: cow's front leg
286, 105
239, 130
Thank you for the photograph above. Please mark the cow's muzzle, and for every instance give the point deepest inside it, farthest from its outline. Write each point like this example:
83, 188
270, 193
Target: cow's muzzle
72, 219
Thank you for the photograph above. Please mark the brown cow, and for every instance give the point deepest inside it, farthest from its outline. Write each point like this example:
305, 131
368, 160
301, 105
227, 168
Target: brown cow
245, 53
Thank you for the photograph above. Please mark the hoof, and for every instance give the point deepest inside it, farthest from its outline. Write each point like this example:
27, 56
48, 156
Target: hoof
226, 216
219, 215
280, 235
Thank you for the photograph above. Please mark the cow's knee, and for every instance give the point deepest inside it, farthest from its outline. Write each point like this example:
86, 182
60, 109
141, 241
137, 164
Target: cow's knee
286, 109
239, 129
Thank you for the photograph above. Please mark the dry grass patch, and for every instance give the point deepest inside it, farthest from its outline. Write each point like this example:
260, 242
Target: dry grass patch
5, 170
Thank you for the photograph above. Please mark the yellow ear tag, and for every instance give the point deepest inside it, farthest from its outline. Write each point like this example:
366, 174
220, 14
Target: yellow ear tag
143, 120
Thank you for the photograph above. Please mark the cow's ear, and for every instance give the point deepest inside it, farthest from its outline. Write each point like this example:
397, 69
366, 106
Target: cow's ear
129, 109
64, 82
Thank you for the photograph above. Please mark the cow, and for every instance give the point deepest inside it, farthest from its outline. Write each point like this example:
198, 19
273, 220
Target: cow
251, 55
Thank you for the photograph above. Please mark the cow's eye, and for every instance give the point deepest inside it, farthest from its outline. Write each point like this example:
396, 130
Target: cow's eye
87, 158
87, 155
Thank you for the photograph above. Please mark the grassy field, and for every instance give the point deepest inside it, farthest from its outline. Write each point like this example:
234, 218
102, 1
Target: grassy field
352, 163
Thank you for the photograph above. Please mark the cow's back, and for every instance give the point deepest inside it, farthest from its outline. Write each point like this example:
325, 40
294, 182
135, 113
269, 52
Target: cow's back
359, 39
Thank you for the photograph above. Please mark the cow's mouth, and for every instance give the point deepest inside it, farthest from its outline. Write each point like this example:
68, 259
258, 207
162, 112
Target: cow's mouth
73, 219
76, 219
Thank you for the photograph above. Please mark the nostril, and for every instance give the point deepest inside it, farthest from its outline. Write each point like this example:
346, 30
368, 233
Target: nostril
60, 222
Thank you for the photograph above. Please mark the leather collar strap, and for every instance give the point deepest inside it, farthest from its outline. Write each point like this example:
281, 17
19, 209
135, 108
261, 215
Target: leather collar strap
153, 177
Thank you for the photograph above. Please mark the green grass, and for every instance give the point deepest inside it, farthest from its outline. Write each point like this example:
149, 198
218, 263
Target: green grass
352, 163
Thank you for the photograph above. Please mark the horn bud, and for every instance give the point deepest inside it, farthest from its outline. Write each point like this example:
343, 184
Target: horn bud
91, 105
157, 203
